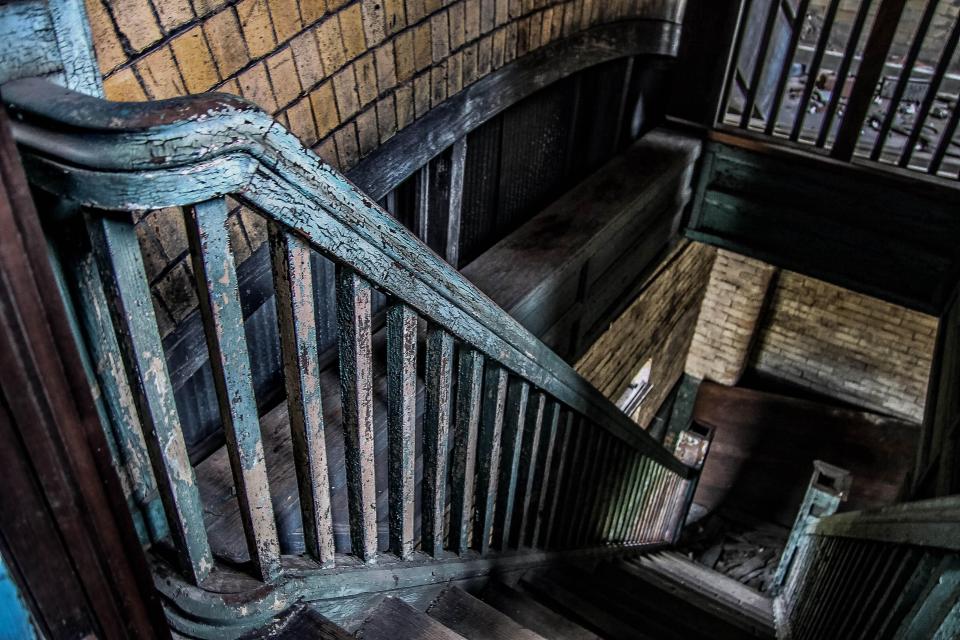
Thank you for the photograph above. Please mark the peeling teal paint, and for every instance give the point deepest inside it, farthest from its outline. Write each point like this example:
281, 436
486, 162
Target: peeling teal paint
15, 622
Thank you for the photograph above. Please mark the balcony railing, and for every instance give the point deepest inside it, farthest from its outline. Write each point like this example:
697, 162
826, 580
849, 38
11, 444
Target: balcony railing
863, 80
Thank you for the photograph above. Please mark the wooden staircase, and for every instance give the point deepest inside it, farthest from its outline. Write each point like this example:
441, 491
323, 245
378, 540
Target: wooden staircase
658, 596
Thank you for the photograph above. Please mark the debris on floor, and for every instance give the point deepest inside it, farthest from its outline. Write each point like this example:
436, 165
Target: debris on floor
736, 546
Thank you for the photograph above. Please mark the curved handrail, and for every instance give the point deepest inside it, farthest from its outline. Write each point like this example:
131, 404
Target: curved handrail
134, 156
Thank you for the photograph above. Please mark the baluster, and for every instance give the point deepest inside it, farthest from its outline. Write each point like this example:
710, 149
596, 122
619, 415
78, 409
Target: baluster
488, 452
227, 344
551, 420
527, 472
656, 502
439, 375
401, 428
632, 497
882, 35
466, 421
643, 515
567, 452
518, 395
600, 469
573, 481
121, 267
814, 69
354, 297
617, 491
759, 64
636, 501
297, 322
584, 470
907, 70
796, 28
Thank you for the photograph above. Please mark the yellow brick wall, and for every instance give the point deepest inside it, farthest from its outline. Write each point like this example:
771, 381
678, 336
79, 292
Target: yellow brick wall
728, 318
343, 75
812, 334
658, 326
847, 345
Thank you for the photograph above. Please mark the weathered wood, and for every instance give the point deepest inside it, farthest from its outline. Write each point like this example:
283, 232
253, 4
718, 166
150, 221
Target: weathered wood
395, 160
458, 159
464, 454
402, 397
356, 388
518, 394
760, 201
394, 618
930, 523
532, 614
474, 619
436, 429
69, 543
527, 469
558, 479
299, 622
120, 264
293, 185
488, 453
542, 484
298, 347
220, 304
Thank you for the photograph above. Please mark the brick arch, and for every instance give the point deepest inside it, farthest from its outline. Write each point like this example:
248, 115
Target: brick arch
344, 76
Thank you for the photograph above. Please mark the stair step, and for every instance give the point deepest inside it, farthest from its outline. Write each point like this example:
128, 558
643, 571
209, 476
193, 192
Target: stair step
532, 614
394, 619
707, 581
666, 600
299, 622
575, 596
475, 619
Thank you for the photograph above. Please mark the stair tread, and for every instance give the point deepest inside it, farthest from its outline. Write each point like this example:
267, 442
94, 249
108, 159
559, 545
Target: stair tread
534, 615
299, 622
394, 619
698, 577
474, 619
555, 589
715, 605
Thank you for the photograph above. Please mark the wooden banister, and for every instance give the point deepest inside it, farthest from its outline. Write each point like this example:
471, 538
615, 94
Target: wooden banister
540, 459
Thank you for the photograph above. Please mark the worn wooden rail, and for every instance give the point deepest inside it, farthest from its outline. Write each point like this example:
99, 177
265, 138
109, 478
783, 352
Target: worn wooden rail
887, 573
539, 460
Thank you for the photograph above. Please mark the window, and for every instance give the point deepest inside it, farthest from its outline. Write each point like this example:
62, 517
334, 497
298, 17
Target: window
637, 391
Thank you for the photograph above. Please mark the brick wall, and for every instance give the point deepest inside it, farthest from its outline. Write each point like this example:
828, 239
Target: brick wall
343, 75
812, 334
728, 318
847, 345
659, 326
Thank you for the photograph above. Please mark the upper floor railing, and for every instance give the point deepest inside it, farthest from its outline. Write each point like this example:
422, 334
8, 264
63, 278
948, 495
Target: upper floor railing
862, 80
516, 454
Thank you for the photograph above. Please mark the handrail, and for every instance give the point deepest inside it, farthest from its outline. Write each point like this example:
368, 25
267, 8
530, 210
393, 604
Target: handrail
526, 428
925, 523
135, 156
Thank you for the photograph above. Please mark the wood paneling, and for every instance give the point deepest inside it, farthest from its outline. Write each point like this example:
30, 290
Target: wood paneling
764, 446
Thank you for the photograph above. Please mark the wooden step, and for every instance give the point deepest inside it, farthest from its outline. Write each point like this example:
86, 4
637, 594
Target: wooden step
299, 622
711, 583
532, 614
475, 619
394, 619
702, 610
577, 596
